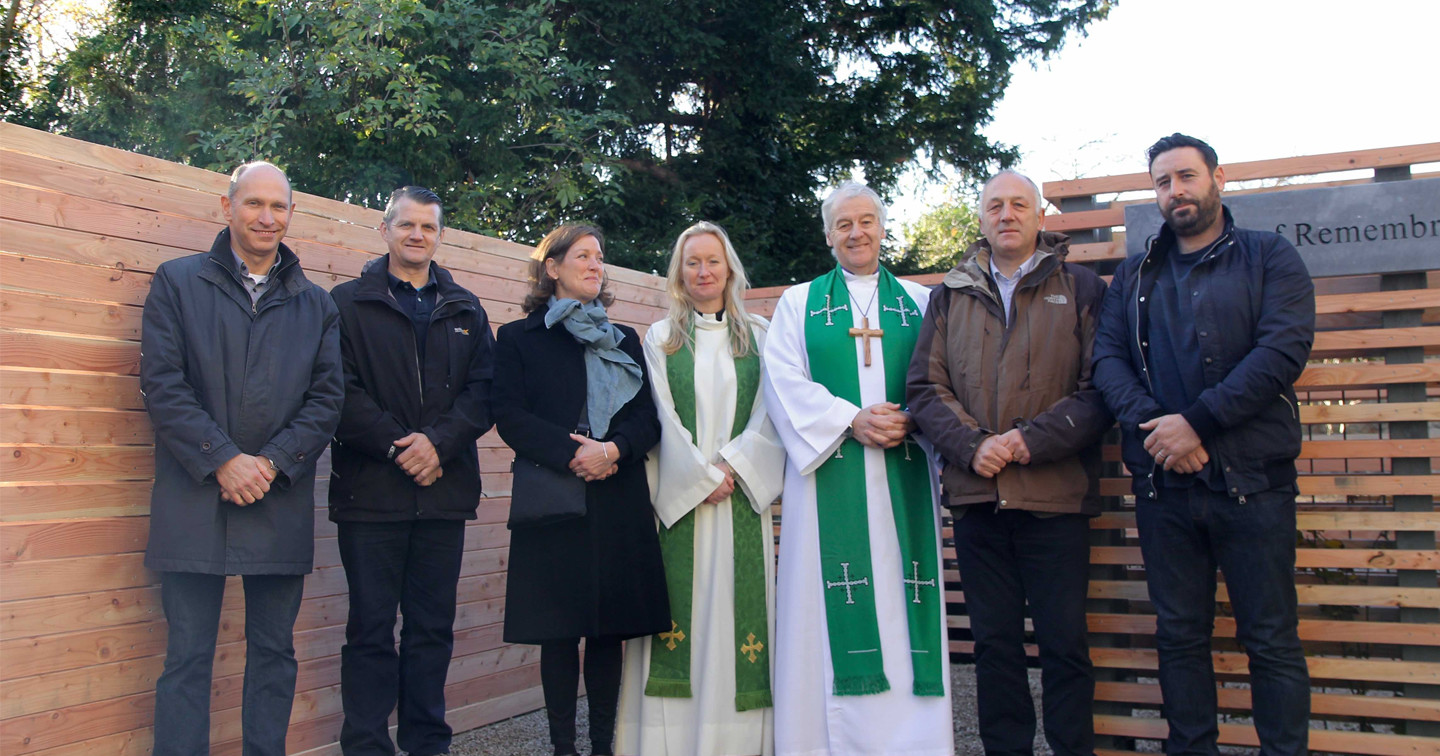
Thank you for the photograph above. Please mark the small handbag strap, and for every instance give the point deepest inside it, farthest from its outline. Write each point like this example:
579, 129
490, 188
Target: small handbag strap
582, 427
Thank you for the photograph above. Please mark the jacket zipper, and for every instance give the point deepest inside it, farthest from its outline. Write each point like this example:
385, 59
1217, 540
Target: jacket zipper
1140, 347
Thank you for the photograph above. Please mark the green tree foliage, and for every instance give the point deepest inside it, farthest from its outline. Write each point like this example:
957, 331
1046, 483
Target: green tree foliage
742, 111
937, 240
352, 97
643, 116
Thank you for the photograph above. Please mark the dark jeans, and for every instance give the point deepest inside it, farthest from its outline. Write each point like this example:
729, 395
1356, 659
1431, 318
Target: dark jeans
560, 678
1006, 559
1185, 534
414, 566
182, 694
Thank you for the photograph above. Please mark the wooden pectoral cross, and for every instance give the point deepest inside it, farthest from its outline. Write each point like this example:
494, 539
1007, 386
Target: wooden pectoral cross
866, 332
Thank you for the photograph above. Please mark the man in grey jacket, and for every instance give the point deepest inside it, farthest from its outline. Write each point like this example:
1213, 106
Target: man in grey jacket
240, 368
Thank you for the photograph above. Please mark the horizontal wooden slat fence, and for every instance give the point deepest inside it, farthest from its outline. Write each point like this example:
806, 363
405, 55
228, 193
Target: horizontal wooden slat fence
82, 229
1367, 562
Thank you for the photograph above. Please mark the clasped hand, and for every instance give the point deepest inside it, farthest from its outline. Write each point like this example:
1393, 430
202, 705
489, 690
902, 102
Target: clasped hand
1174, 444
995, 452
244, 479
420, 460
882, 426
726, 487
593, 459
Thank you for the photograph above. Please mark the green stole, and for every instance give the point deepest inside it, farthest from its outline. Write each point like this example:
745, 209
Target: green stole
670, 652
841, 500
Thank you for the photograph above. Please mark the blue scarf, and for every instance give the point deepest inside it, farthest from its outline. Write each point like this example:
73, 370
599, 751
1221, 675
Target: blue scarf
612, 377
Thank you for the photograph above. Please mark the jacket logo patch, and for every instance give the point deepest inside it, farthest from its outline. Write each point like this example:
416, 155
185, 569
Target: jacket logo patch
466, 331
1056, 298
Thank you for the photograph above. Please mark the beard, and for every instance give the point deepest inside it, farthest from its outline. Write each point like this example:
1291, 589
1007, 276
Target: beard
1205, 211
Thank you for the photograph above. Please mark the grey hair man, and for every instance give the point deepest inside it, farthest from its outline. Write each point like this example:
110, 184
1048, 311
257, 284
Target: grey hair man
1001, 384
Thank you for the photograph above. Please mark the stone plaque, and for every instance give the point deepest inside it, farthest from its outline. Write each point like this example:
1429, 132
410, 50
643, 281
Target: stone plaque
1341, 230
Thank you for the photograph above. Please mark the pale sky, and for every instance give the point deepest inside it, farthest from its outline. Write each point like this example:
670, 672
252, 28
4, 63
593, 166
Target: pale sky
1257, 79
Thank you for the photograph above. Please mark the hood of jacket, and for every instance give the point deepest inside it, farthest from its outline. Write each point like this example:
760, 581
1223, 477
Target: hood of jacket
973, 269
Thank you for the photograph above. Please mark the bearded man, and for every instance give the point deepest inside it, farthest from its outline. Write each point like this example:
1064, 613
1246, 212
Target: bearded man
1200, 340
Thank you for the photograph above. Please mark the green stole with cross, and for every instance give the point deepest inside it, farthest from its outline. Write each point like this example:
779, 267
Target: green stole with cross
670, 652
841, 500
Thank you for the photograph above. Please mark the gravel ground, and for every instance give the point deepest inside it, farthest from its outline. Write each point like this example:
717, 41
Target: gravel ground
527, 735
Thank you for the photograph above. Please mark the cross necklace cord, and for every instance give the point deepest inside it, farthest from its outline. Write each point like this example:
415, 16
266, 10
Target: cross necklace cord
865, 332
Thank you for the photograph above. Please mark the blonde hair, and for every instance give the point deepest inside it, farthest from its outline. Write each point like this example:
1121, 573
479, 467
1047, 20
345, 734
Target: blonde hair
682, 310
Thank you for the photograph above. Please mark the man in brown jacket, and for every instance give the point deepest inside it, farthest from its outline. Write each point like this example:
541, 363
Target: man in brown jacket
1000, 383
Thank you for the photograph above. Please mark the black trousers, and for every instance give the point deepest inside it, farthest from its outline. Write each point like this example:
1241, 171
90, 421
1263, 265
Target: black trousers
1007, 559
560, 679
414, 566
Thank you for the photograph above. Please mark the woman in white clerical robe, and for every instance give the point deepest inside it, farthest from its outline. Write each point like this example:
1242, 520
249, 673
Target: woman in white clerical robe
703, 688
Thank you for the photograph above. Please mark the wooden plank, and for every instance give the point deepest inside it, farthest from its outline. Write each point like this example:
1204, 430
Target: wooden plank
1374, 338
1311, 414
1096, 252
76, 463
57, 614
1370, 448
1385, 157
45, 313
51, 352
1339, 741
46, 501
1360, 374
1372, 559
1397, 633
1345, 705
1109, 217
87, 282
1356, 595
1363, 520
68, 427
72, 538
49, 388
1377, 301
1321, 667
1329, 485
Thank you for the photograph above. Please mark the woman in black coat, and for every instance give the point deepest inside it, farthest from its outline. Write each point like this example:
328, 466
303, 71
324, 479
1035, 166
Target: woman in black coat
597, 577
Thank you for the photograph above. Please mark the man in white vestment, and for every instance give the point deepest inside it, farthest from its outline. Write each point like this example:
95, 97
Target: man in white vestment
860, 648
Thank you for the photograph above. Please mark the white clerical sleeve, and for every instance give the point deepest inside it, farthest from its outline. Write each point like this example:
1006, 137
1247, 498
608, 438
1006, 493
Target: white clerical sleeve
756, 455
811, 421
681, 478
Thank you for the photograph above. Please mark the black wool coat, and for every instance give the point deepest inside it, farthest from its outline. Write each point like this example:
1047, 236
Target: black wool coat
385, 400
222, 376
600, 575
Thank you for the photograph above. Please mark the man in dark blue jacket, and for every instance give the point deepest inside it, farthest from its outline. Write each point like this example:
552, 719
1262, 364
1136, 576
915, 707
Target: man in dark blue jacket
417, 353
240, 368
1199, 343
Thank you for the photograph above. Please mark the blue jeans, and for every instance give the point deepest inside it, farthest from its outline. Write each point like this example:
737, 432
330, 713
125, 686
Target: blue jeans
1184, 535
182, 694
414, 566
1006, 559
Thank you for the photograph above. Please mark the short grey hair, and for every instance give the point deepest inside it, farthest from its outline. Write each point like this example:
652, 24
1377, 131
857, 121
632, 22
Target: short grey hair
844, 192
1039, 199
243, 168
417, 194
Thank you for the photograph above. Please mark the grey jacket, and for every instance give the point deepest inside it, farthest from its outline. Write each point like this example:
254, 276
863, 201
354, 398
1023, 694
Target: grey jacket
221, 377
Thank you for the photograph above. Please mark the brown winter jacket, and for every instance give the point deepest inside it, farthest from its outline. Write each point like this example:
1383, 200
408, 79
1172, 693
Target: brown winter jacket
972, 377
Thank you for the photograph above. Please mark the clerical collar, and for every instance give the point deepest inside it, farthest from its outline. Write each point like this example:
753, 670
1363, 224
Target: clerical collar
866, 277
718, 317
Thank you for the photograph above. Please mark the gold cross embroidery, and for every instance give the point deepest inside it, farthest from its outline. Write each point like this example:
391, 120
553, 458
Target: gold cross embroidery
676, 635
866, 333
752, 647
